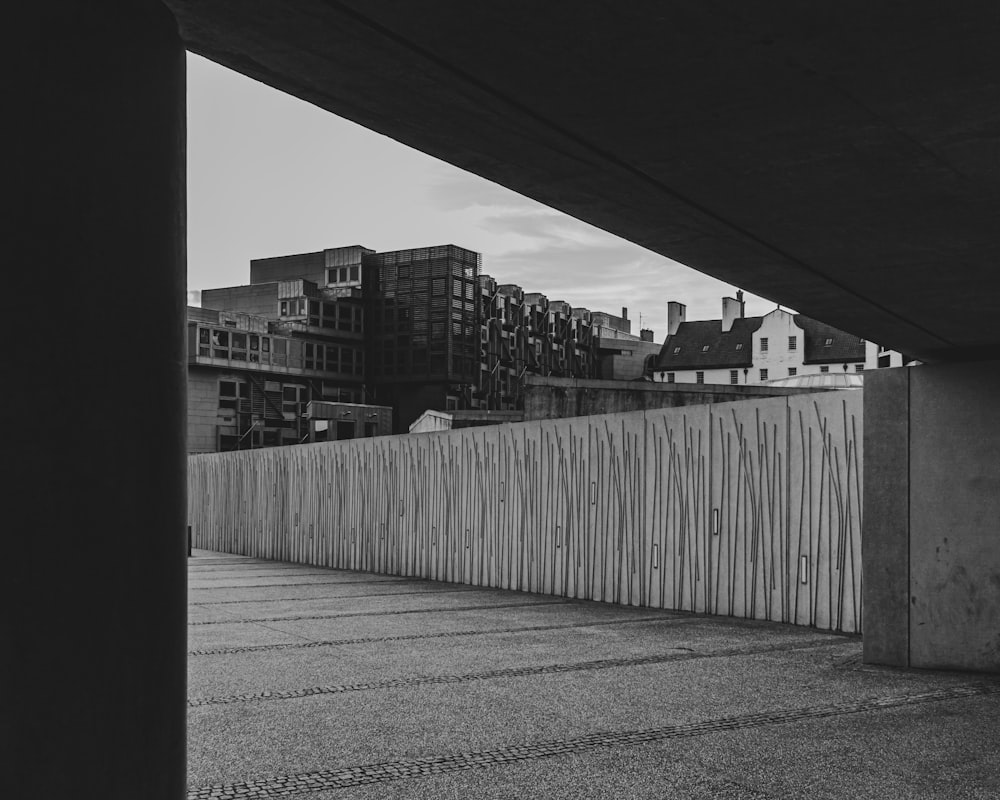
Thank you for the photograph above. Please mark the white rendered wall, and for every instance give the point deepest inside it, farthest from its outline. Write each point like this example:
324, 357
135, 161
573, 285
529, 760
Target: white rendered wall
776, 327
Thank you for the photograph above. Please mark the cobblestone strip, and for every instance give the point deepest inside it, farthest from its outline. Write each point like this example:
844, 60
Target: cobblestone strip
390, 613
508, 672
254, 648
328, 597
321, 780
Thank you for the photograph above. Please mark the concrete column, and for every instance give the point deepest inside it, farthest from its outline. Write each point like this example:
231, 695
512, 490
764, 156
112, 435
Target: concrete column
931, 541
93, 560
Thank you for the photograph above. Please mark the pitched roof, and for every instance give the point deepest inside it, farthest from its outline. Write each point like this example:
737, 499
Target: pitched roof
825, 344
703, 345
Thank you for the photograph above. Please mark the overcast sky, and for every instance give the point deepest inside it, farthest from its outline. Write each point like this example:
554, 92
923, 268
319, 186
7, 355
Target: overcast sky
270, 175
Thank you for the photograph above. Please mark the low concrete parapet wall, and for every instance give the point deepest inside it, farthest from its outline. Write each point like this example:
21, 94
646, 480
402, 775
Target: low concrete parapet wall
749, 509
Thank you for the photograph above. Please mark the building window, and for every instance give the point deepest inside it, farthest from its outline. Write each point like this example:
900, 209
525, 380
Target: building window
734, 376
704, 348
231, 392
859, 367
828, 342
676, 350
763, 344
793, 343
824, 368
670, 377
792, 372
699, 377
763, 372
739, 345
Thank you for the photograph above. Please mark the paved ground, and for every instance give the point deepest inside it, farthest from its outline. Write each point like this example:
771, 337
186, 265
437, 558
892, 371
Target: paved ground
329, 684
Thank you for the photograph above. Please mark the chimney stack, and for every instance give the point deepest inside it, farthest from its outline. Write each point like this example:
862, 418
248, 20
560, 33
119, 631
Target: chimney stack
675, 316
732, 310
646, 335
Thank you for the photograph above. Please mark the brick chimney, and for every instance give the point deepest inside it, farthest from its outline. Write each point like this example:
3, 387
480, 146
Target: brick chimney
675, 316
646, 335
732, 310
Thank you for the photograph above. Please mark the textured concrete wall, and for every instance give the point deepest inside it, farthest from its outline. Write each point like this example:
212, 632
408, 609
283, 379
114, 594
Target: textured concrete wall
932, 530
558, 398
885, 544
955, 517
745, 509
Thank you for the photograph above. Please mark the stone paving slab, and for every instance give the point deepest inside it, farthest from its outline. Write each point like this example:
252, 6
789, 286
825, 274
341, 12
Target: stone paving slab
250, 671
519, 610
605, 702
361, 601
870, 756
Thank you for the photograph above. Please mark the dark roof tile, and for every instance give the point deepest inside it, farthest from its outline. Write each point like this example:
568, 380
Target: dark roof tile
702, 345
825, 344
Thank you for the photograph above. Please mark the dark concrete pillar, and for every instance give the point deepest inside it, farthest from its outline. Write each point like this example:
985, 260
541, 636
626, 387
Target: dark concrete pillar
932, 517
93, 650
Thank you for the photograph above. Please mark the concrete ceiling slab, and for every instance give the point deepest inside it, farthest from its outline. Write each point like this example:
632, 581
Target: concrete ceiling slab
841, 158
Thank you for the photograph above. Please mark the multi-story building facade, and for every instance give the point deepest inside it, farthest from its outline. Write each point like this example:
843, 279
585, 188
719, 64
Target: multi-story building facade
526, 333
407, 330
424, 328
621, 355
743, 350
251, 379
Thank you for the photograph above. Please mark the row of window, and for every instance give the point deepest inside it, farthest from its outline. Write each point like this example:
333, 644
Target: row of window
734, 374
292, 397
278, 351
237, 346
793, 345
334, 316
343, 274
331, 358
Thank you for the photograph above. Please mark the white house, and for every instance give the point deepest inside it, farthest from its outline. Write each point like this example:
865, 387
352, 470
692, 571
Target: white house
754, 350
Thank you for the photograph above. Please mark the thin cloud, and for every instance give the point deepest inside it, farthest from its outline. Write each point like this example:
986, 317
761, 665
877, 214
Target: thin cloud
454, 190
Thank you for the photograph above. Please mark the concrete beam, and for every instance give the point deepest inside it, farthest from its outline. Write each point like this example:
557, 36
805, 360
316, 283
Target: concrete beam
838, 157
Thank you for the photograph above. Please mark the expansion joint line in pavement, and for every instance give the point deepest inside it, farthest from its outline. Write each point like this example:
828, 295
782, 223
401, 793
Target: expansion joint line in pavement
328, 597
389, 613
256, 648
341, 778
303, 583
508, 672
